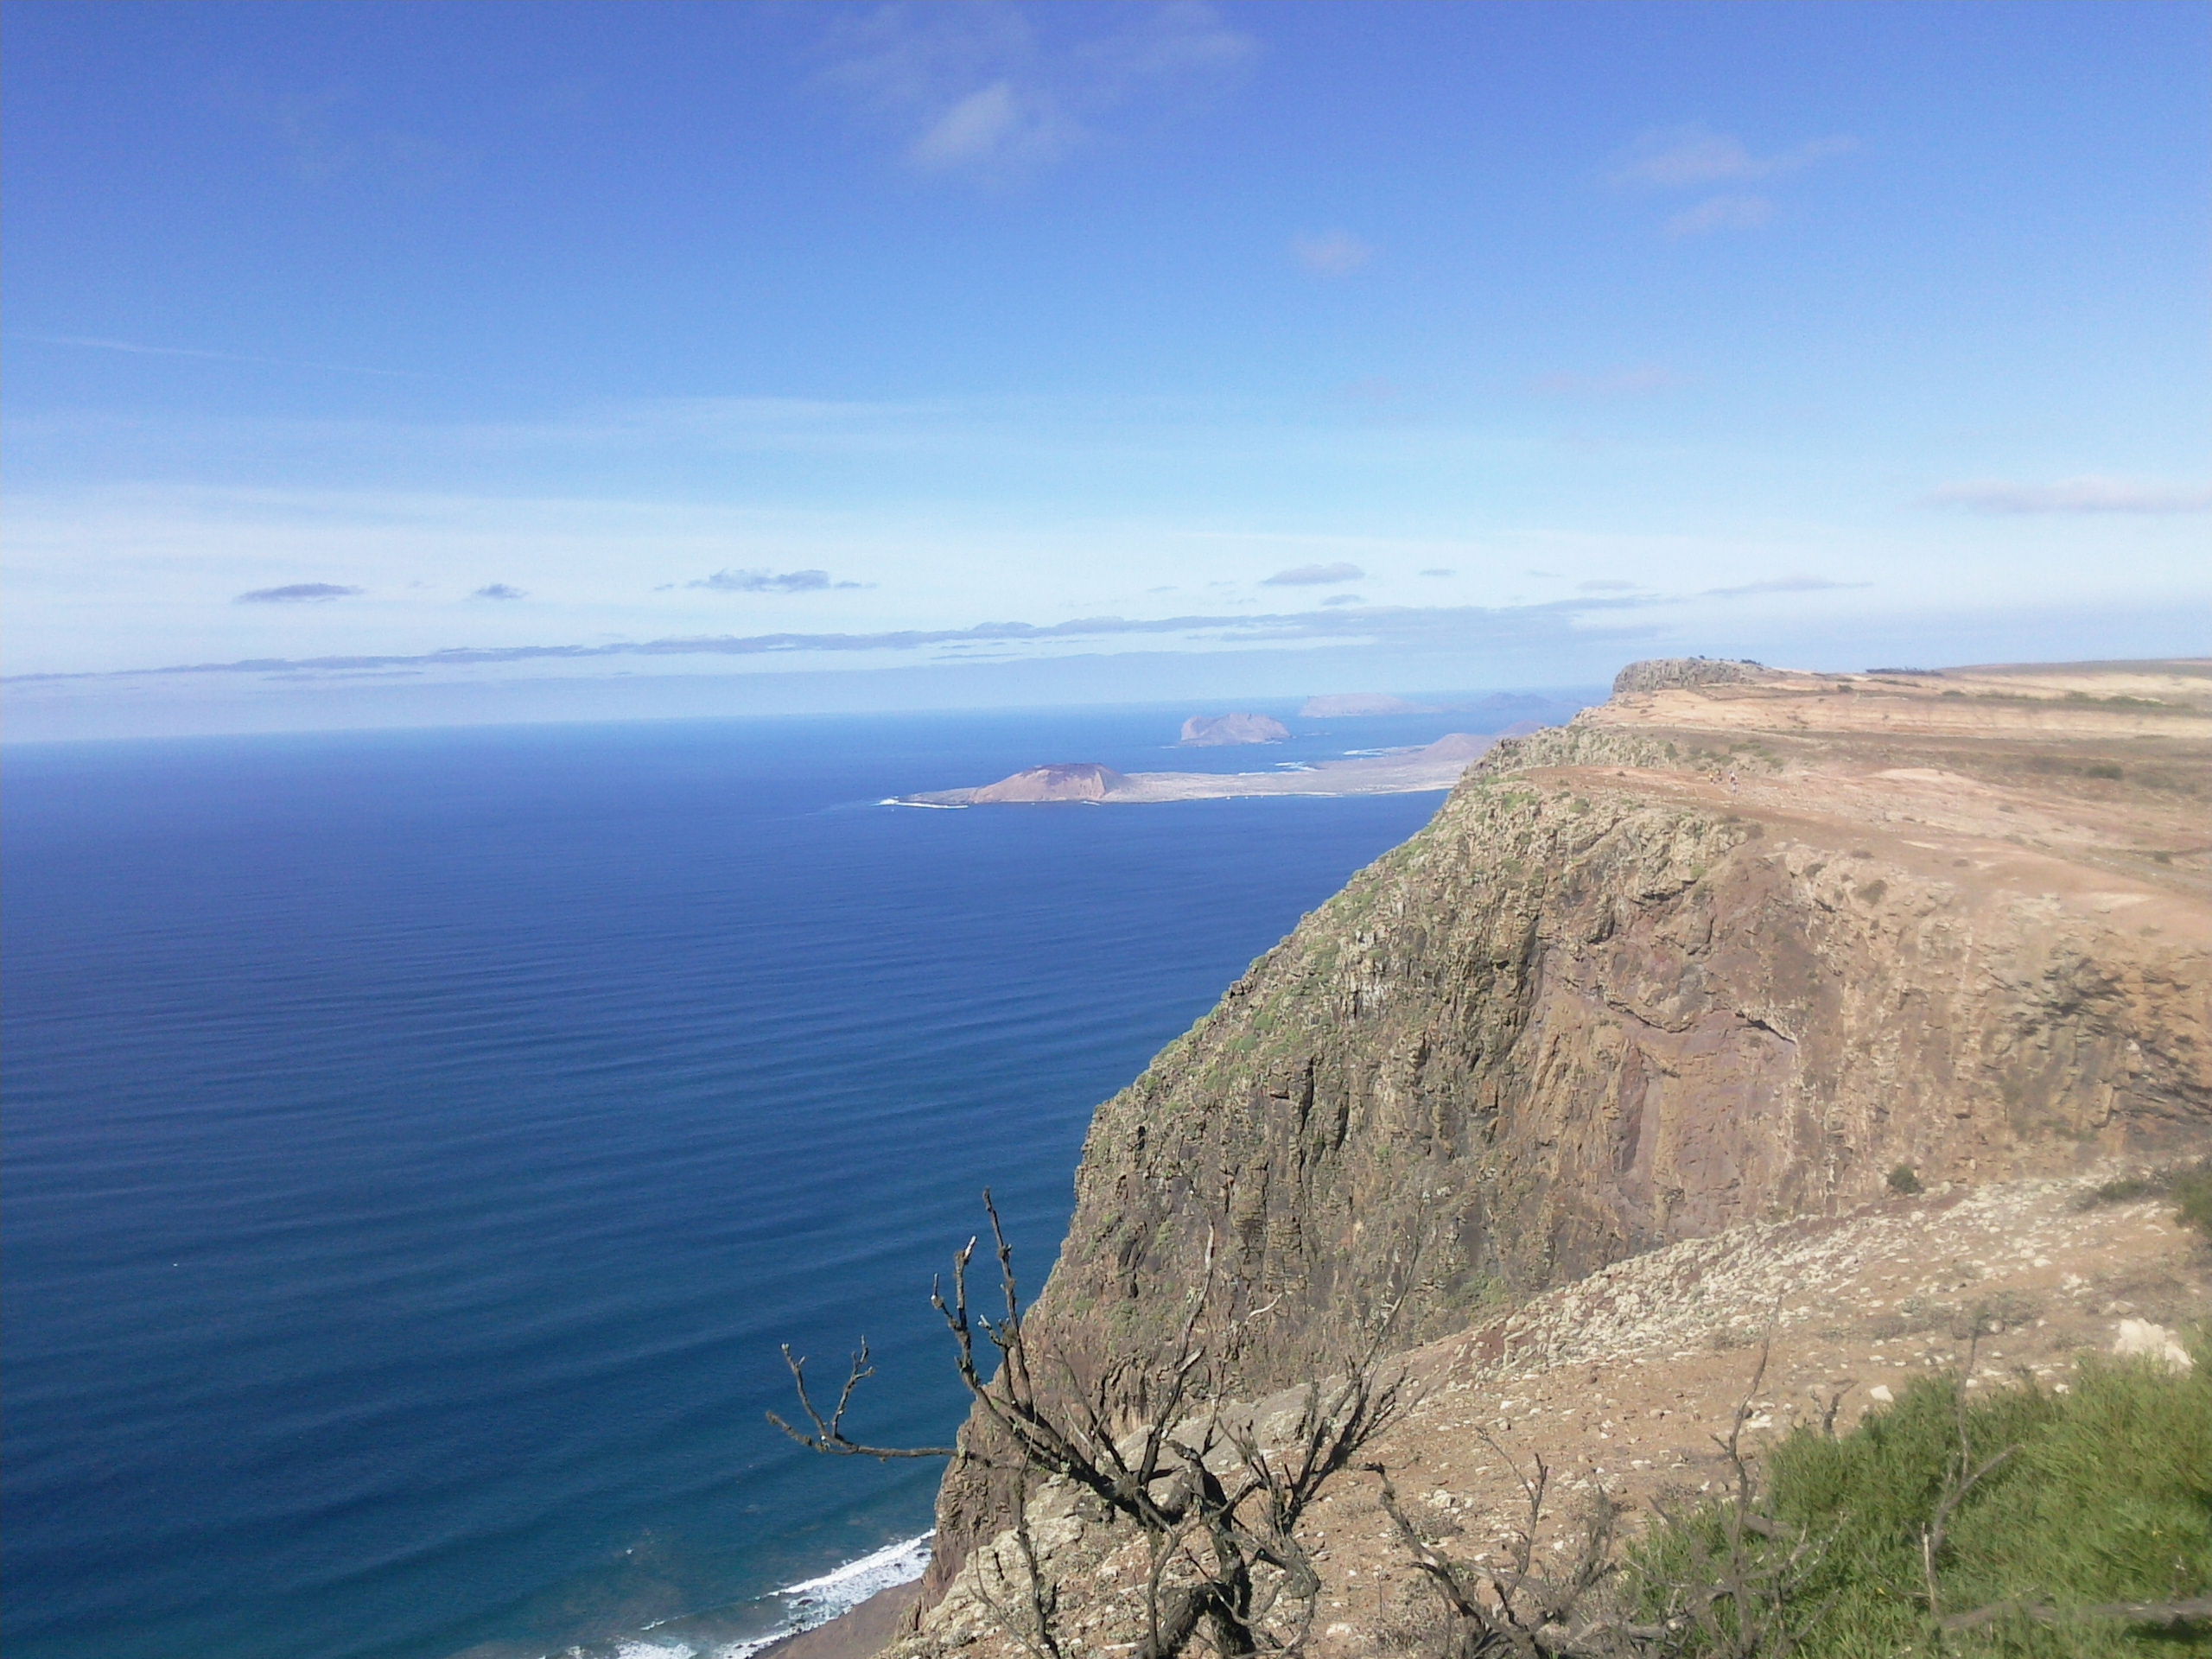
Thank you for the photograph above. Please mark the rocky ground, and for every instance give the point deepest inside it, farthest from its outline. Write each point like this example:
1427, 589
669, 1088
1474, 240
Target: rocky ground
1624, 1380
1633, 1034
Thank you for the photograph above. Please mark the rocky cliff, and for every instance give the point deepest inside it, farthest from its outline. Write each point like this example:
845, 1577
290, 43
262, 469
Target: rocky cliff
1732, 947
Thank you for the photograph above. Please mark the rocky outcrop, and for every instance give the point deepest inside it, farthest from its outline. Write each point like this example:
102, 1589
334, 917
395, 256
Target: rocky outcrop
1218, 731
1075, 780
1730, 948
1662, 673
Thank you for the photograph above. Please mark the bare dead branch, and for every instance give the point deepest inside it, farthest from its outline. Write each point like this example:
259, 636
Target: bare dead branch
828, 1433
1151, 1439
1833, 1405
1966, 1474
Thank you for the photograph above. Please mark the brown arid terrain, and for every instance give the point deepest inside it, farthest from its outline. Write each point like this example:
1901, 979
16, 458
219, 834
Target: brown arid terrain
1605, 1083
1621, 1382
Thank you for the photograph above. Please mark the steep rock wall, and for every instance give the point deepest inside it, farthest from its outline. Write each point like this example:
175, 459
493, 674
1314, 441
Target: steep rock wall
1557, 1029
1590, 1010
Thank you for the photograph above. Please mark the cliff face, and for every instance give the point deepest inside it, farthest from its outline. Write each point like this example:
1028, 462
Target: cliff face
1732, 947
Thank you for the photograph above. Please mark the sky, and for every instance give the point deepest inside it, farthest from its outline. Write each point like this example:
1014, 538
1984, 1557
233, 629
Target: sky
373, 363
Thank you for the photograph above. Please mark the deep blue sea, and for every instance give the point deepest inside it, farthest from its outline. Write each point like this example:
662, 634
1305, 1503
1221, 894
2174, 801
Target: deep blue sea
419, 1144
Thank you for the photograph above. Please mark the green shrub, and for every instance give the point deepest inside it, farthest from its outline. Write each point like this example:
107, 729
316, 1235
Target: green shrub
1905, 1180
2103, 1494
2192, 1192
2126, 1190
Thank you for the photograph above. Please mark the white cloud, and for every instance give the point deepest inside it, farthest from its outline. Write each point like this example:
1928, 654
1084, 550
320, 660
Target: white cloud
991, 126
1314, 575
770, 581
134, 349
1170, 38
299, 593
1336, 253
1722, 213
2073, 495
1348, 620
1683, 158
983, 90
1680, 157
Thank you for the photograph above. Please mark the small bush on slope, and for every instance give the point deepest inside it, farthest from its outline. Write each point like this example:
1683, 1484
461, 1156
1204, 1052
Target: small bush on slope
2192, 1193
2103, 1494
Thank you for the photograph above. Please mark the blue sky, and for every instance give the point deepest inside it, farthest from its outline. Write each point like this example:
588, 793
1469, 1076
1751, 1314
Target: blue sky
463, 362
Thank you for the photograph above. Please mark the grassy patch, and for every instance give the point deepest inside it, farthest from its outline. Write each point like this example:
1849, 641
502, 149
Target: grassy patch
2098, 1496
2192, 1196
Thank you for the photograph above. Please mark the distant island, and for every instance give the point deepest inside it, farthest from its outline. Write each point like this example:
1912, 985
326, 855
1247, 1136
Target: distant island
1219, 731
1350, 705
1403, 772
1078, 780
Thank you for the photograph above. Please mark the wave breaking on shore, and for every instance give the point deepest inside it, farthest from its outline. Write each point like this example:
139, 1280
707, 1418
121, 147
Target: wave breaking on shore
800, 1607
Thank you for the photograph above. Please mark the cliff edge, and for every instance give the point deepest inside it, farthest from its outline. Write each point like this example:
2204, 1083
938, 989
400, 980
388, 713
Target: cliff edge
1728, 949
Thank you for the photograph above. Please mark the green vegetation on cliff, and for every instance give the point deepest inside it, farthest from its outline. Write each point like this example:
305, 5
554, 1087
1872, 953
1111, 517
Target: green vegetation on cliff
2097, 1498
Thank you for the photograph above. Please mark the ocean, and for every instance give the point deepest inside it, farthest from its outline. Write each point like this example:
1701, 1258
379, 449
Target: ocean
420, 1143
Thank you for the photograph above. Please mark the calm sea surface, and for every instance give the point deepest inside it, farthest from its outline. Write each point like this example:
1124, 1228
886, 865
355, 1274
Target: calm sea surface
419, 1144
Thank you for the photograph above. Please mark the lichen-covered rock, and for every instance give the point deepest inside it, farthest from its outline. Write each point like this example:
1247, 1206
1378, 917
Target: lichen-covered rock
1660, 673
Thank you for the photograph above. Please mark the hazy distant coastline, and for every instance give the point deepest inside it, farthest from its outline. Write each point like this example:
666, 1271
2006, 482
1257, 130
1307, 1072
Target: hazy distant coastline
1434, 766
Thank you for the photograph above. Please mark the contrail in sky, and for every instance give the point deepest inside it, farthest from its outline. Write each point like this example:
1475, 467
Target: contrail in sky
92, 343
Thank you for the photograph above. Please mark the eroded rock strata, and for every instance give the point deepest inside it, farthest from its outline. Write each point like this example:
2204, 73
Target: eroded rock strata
1731, 948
